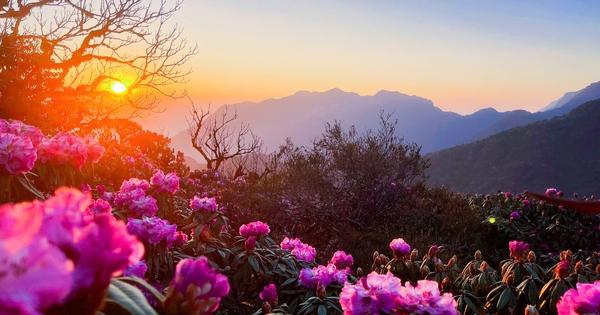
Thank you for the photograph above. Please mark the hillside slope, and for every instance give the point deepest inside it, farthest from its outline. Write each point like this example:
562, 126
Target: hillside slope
563, 153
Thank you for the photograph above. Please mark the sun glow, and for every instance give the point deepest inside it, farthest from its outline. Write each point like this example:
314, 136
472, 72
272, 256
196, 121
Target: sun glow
118, 87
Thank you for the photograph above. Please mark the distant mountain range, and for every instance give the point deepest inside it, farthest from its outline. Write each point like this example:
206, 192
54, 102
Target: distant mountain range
563, 153
302, 117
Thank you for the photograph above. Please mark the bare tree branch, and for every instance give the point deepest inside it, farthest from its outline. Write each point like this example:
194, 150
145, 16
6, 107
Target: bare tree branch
217, 139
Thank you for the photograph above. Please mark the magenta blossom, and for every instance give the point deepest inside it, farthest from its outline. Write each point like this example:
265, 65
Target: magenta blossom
515, 216
17, 154
508, 195
370, 295
180, 238
584, 300
324, 275
518, 250
18, 128
152, 230
526, 203
63, 148
269, 293
165, 183
425, 298
250, 244
341, 260
551, 191
256, 229
100, 206
289, 244
400, 248
136, 270
203, 204
196, 288
304, 252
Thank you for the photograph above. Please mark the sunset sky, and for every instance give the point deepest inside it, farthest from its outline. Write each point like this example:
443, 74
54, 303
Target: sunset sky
463, 55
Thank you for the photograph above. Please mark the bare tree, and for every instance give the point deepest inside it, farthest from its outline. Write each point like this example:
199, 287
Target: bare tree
91, 44
217, 139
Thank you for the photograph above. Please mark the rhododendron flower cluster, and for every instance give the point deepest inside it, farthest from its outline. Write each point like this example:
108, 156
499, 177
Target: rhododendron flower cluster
17, 154
67, 148
290, 243
515, 216
400, 248
371, 294
136, 270
324, 275
204, 204
99, 206
341, 260
153, 230
196, 288
165, 183
385, 293
425, 298
584, 300
300, 250
59, 251
132, 195
255, 229
269, 294
518, 250
551, 191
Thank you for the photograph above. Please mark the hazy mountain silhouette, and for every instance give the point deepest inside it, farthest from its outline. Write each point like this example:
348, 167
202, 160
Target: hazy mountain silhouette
561, 153
303, 116
556, 108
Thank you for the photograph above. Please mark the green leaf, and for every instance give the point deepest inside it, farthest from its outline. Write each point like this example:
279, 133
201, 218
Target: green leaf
141, 282
322, 310
27, 184
253, 262
129, 297
504, 298
288, 281
472, 306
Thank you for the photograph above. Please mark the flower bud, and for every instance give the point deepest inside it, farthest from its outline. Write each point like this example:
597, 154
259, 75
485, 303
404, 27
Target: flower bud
266, 307
321, 290
473, 270
563, 269
483, 266
384, 259
510, 280
598, 269
451, 262
424, 271
531, 310
375, 255
531, 257
477, 255
414, 255
359, 272
250, 244
446, 285
433, 250
438, 265
579, 268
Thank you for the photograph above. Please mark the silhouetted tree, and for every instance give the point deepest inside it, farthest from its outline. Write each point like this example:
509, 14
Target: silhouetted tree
218, 140
58, 59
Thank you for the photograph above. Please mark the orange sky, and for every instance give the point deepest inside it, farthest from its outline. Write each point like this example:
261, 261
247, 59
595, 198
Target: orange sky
463, 55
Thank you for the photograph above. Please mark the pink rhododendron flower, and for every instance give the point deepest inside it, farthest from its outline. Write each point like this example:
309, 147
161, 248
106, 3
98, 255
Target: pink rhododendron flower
269, 293
425, 298
196, 288
94, 149
584, 300
105, 250
370, 295
165, 183
289, 244
43, 276
304, 252
515, 216
400, 248
180, 238
136, 270
325, 275
64, 217
551, 191
99, 206
63, 148
255, 229
341, 260
18, 128
17, 154
526, 202
152, 230
518, 250
203, 204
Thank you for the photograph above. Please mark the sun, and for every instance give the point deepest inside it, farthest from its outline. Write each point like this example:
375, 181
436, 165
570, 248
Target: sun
118, 87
